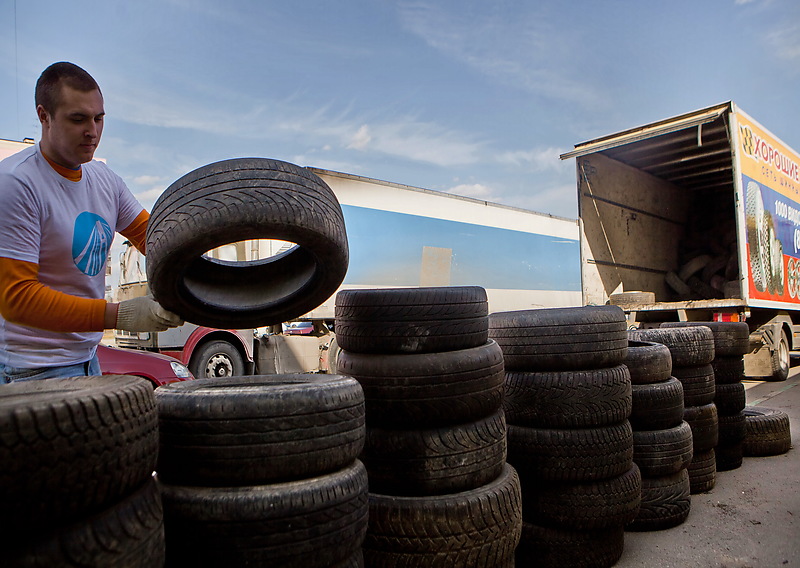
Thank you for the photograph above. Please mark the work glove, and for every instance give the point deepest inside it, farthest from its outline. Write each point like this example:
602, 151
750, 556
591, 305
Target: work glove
145, 314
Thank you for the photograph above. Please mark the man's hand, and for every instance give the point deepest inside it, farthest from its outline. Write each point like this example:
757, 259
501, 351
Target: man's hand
145, 314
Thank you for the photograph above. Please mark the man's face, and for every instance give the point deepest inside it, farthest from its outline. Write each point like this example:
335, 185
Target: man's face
70, 134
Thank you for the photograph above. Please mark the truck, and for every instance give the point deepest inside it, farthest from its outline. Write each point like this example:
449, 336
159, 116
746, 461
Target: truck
398, 236
695, 218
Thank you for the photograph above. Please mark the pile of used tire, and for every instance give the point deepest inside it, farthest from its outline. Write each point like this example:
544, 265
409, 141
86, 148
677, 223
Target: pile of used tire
441, 492
263, 471
692, 351
76, 482
662, 439
568, 400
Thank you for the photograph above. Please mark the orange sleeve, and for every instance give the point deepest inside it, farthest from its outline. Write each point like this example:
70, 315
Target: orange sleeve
136, 232
26, 301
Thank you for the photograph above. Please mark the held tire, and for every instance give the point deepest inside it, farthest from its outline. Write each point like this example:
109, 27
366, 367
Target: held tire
561, 339
412, 320
73, 447
689, 346
705, 426
235, 200
658, 405
308, 523
698, 383
767, 432
568, 399
648, 362
546, 547
435, 461
666, 502
258, 429
731, 339
480, 527
424, 390
663, 452
217, 359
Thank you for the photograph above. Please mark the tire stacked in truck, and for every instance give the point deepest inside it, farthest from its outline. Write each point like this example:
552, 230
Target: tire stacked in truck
441, 492
263, 471
692, 351
568, 399
662, 440
76, 485
731, 342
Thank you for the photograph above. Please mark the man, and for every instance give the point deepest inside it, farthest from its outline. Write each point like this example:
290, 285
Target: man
59, 212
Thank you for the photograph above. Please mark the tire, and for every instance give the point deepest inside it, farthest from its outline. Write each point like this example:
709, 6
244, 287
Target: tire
217, 359
648, 362
129, 533
732, 429
780, 359
480, 527
450, 459
666, 502
702, 472
698, 383
730, 399
412, 320
601, 504
728, 370
731, 339
561, 339
705, 426
689, 346
236, 200
663, 452
767, 432
73, 447
585, 454
568, 399
426, 390
657, 406
309, 523
729, 457
624, 299
258, 429
546, 547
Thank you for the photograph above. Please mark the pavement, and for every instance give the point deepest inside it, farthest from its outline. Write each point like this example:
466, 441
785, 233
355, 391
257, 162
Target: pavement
750, 519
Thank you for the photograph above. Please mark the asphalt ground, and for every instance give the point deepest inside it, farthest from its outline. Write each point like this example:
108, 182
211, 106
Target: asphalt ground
750, 519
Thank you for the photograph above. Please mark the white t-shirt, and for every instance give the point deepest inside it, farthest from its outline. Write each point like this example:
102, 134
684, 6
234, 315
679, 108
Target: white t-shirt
66, 228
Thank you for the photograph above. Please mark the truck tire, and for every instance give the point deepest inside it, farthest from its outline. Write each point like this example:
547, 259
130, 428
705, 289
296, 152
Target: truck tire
702, 471
258, 429
728, 370
648, 362
705, 426
412, 320
308, 523
480, 527
128, 533
584, 454
561, 339
236, 200
730, 399
547, 547
217, 359
698, 384
600, 504
663, 452
780, 359
435, 461
657, 406
426, 390
568, 399
689, 346
731, 339
666, 502
767, 432
73, 447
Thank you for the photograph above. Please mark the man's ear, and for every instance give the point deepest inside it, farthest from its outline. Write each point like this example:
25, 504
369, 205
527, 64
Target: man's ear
42, 114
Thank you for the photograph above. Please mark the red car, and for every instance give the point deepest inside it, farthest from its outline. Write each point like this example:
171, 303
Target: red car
157, 368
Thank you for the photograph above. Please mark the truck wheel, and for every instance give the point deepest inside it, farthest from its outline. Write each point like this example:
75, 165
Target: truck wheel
217, 359
235, 200
780, 359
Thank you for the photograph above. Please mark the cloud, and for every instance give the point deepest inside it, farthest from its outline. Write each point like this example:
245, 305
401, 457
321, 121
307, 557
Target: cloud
786, 42
146, 180
475, 190
537, 159
361, 138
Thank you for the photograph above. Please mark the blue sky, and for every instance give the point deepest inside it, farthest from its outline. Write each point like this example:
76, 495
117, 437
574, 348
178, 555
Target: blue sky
474, 97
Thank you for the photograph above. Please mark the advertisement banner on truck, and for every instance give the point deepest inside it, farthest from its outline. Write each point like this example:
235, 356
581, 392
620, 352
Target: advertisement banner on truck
770, 176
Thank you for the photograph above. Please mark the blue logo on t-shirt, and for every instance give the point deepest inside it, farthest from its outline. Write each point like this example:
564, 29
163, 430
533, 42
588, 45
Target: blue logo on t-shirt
90, 242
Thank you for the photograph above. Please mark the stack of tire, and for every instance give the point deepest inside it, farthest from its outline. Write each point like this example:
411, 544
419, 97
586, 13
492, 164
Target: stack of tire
441, 492
731, 343
692, 351
568, 399
76, 483
662, 440
263, 471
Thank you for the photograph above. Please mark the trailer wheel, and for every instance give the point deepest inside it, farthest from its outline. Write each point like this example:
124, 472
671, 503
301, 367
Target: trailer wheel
780, 359
217, 359
235, 200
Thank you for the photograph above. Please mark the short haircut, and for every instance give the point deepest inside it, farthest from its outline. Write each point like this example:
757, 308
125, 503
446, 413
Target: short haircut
48, 87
